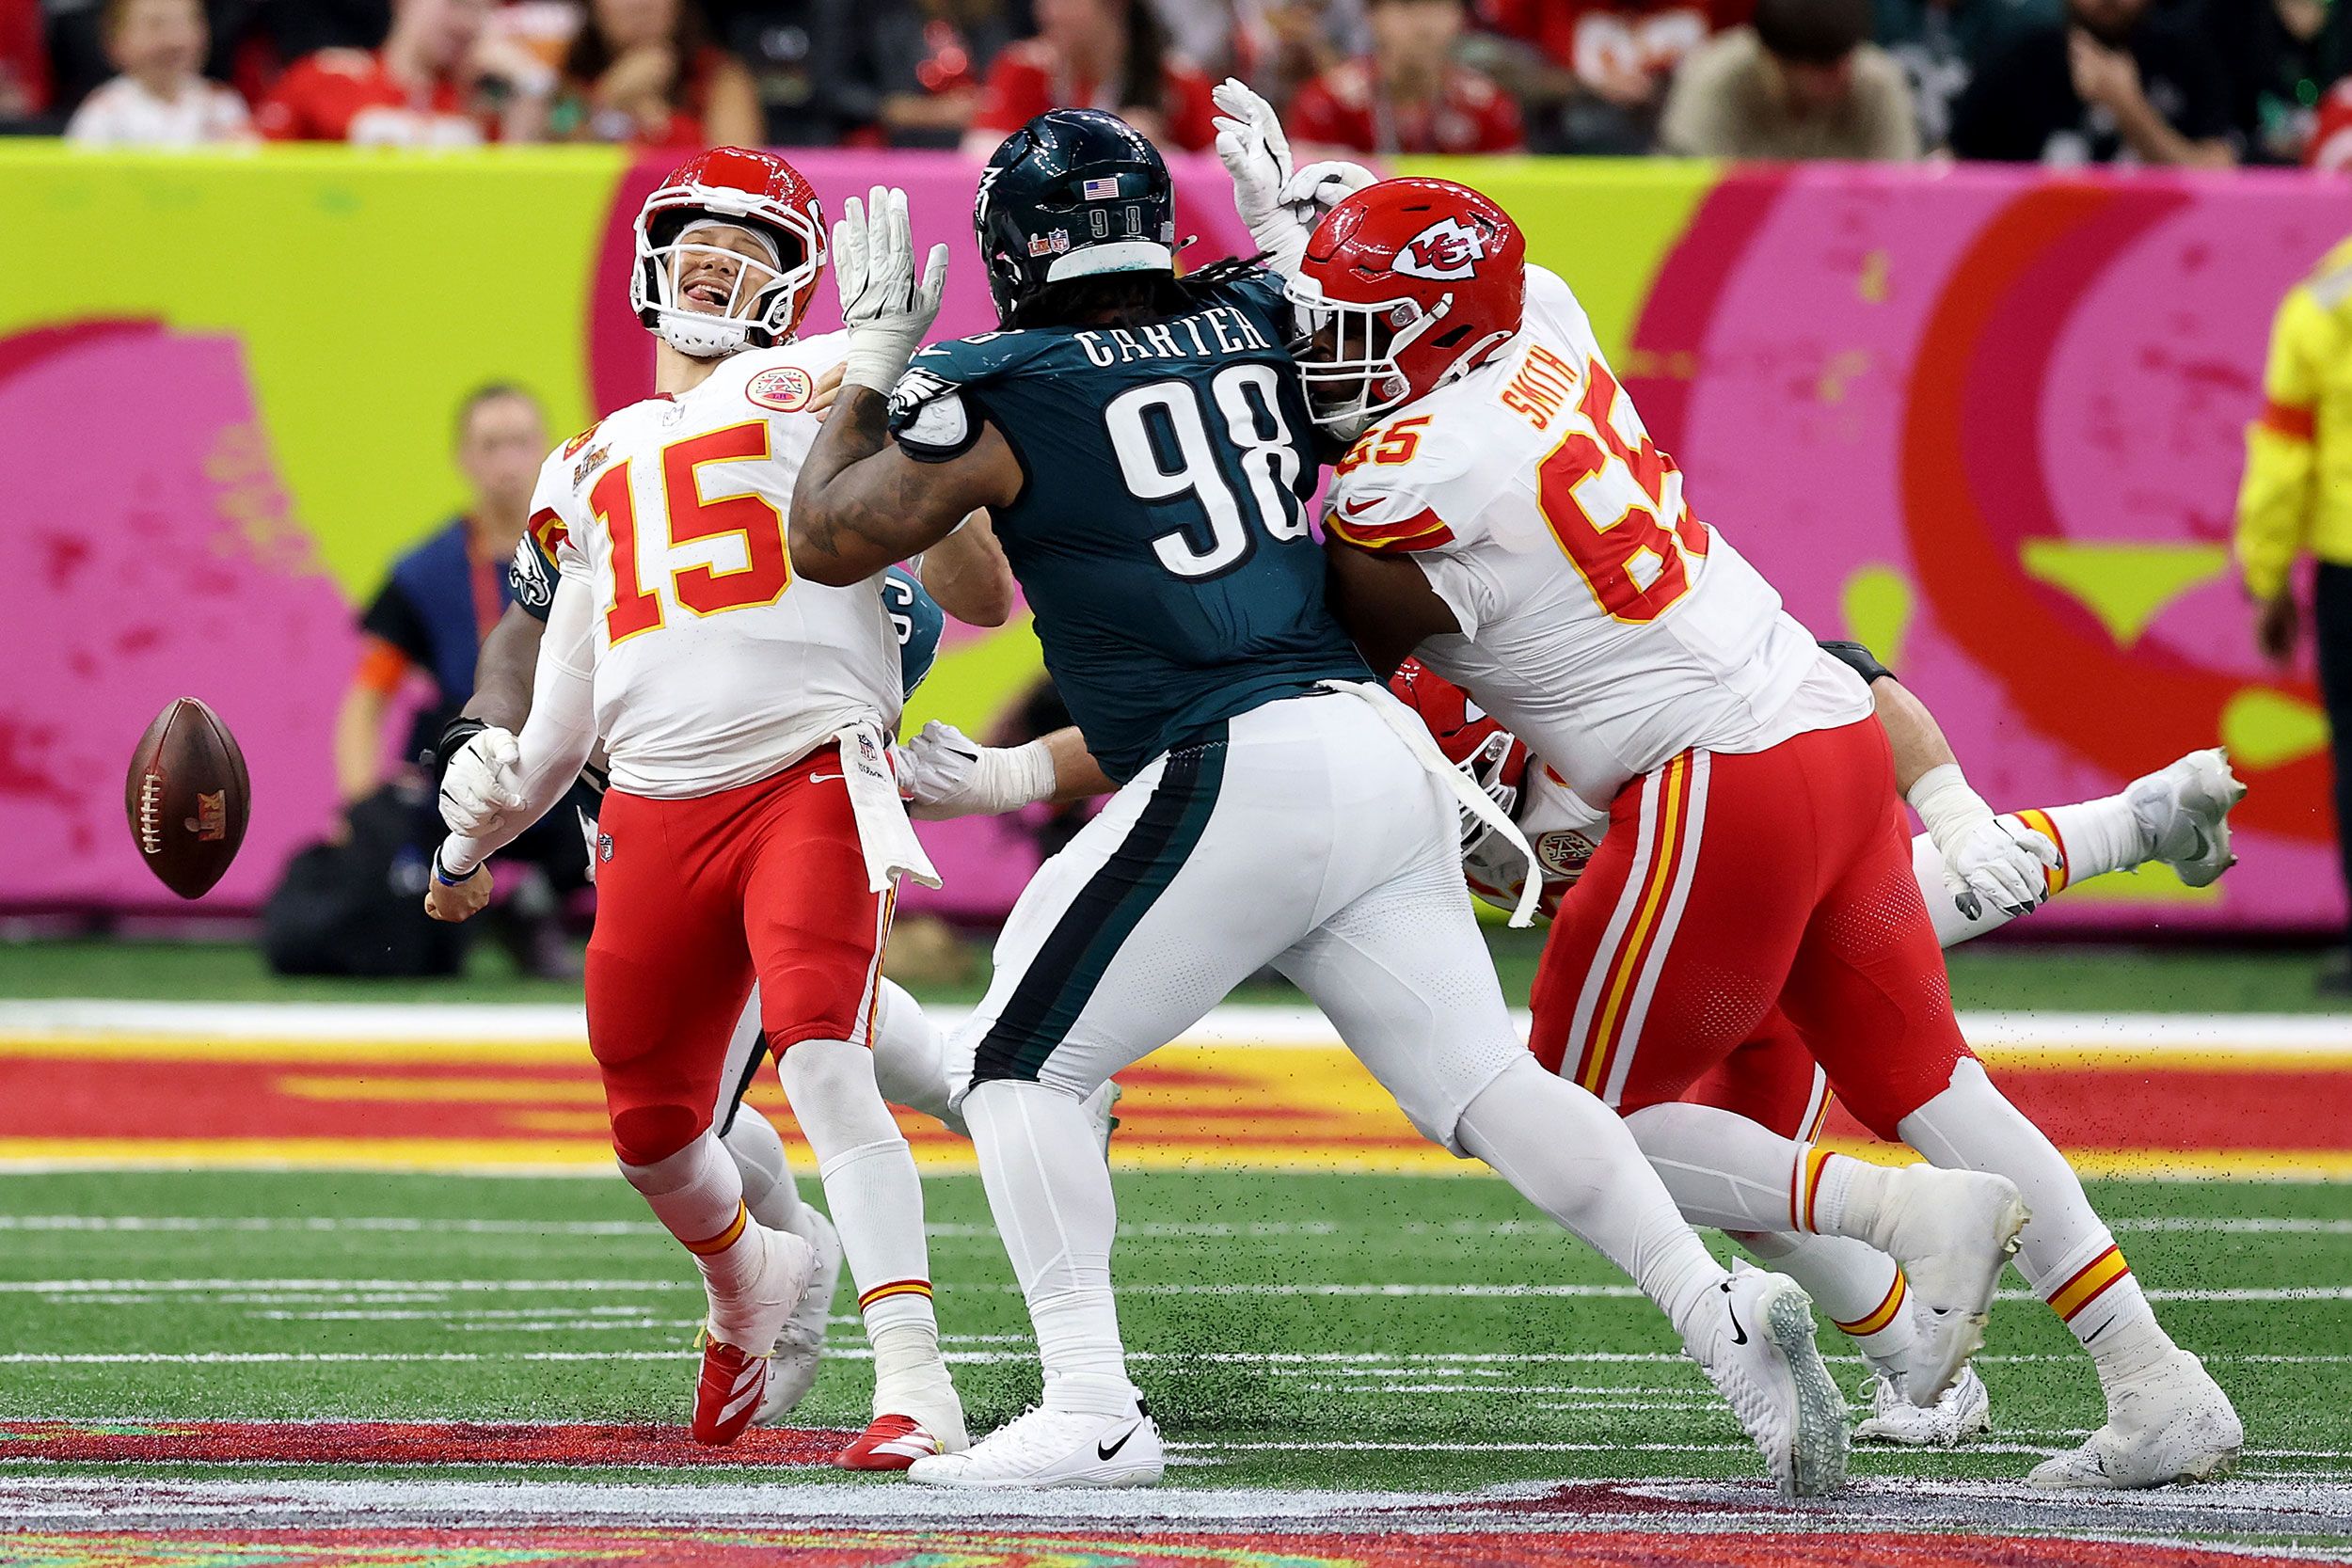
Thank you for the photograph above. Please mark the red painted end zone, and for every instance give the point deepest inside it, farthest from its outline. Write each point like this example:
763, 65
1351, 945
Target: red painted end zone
837, 1547
402, 1443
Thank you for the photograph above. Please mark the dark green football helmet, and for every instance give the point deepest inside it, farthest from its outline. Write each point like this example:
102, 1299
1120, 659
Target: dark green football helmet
1074, 193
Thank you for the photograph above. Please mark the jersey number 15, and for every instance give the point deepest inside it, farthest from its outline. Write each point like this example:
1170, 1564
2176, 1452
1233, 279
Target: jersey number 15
766, 572
1249, 397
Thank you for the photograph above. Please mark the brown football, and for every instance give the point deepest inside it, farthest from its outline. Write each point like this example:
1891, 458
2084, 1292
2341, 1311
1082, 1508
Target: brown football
188, 798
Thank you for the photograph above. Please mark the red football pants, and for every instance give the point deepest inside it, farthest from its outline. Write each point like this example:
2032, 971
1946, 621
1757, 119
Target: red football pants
695, 898
1741, 899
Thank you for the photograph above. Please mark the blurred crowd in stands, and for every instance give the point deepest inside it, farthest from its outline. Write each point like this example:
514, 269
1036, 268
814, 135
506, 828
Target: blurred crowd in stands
2200, 81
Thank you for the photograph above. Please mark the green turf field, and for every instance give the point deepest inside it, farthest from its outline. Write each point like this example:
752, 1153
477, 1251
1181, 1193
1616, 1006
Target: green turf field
1985, 974
1277, 1316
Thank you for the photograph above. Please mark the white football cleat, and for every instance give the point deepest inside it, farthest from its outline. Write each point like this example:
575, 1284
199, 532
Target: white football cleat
2173, 1422
1099, 1106
792, 1366
1045, 1447
1966, 1411
1755, 1343
2185, 811
1952, 1232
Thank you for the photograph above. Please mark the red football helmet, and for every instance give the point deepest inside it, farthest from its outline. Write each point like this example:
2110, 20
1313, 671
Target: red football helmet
755, 191
1407, 285
1490, 755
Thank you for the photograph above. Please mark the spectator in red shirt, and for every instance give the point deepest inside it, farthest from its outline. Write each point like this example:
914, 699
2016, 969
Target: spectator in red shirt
443, 78
1095, 54
1408, 95
23, 62
1607, 63
646, 71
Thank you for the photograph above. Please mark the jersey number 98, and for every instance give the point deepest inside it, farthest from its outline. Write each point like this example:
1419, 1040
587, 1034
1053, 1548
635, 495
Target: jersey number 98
1249, 398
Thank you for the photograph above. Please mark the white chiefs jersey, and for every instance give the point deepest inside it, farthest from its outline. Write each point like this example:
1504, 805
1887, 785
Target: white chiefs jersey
715, 666
1601, 621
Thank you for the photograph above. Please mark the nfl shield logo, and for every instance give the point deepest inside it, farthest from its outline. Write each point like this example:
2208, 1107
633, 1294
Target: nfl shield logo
604, 847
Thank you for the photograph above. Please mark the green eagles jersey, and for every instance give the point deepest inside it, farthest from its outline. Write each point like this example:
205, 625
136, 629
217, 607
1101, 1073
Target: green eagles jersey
1161, 531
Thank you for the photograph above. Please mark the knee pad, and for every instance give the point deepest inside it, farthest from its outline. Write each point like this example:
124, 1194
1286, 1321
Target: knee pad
648, 1134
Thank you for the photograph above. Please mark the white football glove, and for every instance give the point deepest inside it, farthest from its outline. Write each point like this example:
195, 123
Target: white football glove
1250, 144
1985, 859
885, 310
944, 772
2001, 861
1319, 187
484, 781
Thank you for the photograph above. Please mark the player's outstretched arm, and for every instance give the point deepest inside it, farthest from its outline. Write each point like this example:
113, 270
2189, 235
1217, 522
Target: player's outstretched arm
946, 773
1985, 858
531, 771
1386, 603
967, 573
860, 505
501, 675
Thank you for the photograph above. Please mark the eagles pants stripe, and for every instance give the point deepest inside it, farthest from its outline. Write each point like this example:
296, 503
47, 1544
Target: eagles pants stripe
1312, 840
1061, 978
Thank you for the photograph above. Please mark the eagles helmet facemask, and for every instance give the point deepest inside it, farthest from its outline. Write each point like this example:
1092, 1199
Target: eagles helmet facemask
1075, 193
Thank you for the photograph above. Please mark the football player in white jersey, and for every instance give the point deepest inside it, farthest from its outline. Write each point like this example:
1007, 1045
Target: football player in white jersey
751, 829
1501, 510
2177, 815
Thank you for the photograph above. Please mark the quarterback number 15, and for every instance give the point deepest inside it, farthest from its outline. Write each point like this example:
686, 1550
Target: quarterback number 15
766, 572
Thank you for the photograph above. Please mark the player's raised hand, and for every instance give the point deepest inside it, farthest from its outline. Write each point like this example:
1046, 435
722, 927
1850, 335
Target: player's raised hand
1319, 187
885, 308
1250, 144
483, 782
2001, 861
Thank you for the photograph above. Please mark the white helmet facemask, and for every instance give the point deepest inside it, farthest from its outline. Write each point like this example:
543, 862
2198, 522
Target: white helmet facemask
1358, 379
762, 294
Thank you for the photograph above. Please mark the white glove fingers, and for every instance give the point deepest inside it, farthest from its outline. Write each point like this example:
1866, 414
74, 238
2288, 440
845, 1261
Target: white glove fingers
934, 282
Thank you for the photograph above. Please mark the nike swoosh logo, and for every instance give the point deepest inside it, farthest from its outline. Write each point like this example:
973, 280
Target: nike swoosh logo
1101, 1451
1738, 1335
821, 778
1360, 504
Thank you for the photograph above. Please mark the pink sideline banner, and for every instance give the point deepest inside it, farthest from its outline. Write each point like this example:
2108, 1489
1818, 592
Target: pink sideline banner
1988, 421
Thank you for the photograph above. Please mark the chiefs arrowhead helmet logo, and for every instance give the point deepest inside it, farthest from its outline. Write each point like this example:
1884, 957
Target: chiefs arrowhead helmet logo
1445, 250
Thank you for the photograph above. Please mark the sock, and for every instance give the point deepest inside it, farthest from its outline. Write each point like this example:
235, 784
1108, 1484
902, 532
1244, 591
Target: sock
877, 1204
1738, 1174
698, 1197
2094, 837
1571, 1157
909, 1057
2066, 1254
1051, 1195
768, 1191
1860, 1288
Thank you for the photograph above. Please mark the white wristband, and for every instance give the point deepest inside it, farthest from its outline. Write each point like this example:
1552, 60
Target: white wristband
1017, 775
1947, 807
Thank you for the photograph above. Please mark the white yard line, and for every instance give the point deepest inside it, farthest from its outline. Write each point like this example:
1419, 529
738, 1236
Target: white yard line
473, 1023
1140, 1230
415, 1288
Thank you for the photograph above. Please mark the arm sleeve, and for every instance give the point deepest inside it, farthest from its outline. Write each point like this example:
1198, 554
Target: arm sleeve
2274, 499
562, 730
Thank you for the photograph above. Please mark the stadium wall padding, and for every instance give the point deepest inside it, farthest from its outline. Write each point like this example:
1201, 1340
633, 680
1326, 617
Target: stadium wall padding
1988, 421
